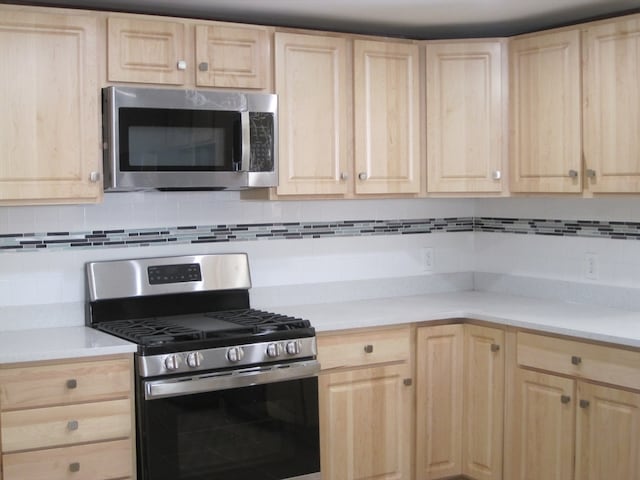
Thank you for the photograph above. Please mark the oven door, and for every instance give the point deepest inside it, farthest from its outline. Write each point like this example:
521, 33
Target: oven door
245, 425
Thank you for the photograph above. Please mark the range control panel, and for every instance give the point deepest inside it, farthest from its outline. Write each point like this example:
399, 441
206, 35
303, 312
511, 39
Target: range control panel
161, 274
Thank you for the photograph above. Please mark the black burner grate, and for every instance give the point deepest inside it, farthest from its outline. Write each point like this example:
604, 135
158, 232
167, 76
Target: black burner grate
260, 319
238, 324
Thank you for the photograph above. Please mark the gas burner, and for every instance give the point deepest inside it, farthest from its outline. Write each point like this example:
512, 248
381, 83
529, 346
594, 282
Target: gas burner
261, 320
151, 331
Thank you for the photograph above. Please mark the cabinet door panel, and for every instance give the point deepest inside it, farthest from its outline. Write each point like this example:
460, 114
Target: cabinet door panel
28, 387
465, 119
146, 51
546, 113
482, 421
612, 106
53, 426
544, 428
608, 434
365, 424
311, 85
235, 57
387, 146
439, 401
49, 128
96, 461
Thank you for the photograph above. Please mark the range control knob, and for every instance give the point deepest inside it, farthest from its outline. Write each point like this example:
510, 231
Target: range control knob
273, 350
172, 362
235, 354
194, 359
293, 348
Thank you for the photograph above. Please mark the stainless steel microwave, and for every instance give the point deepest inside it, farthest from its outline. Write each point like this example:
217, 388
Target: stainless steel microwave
189, 139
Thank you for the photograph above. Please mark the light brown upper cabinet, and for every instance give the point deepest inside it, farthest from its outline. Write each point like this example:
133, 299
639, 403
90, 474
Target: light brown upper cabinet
546, 113
146, 51
234, 57
161, 52
311, 83
387, 117
50, 150
465, 112
612, 105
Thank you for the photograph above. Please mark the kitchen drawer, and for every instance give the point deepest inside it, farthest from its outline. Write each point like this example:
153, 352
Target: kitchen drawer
65, 425
600, 363
38, 386
363, 348
97, 461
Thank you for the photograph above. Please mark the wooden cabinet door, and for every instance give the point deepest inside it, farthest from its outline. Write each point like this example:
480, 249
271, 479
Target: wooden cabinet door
483, 412
612, 106
386, 109
365, 417
546, 116
234, 57
146, 51
543, 429
311, 83
439, 400
465, 116
50, 148
608, 433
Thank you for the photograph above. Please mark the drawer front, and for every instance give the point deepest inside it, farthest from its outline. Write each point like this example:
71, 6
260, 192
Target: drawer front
583, 360
45, 385
363, 348
65, 425
97, 461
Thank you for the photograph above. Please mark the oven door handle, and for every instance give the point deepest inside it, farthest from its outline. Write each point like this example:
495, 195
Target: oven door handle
173, 387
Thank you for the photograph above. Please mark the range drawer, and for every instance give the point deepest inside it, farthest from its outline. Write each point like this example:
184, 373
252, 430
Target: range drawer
600, 363
65, 425
363, 348
28, 387
98, 461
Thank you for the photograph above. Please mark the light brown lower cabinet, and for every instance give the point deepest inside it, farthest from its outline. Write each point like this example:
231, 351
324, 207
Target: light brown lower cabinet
68, 420
557, 419
459, 402
366, 405
564, 425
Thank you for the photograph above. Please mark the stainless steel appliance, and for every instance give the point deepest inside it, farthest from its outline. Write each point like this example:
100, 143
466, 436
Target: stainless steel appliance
222, 390
188, 139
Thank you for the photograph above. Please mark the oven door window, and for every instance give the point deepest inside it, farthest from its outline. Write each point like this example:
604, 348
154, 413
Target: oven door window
265, 431
165, 140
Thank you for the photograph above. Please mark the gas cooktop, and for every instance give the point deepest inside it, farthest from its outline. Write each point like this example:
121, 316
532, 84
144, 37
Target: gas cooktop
210, 329
192, 314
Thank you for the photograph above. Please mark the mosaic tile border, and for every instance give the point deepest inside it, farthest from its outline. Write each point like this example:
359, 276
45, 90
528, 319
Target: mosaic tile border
563, 228
192, 234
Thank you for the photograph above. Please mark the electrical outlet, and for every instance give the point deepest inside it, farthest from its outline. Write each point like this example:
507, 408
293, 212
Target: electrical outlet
591, 270
427, 259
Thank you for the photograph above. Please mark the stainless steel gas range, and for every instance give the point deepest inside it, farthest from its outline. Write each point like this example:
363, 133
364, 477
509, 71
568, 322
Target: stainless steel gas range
222, 390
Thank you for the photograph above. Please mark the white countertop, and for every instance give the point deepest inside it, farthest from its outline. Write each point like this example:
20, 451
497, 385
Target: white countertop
58, 343
577, 320
573, 319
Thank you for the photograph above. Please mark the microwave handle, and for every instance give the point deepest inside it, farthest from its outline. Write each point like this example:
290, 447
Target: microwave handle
243, 156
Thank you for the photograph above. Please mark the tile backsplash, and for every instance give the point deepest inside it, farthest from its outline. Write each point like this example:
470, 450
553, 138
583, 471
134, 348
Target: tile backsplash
195, 234
346, 245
